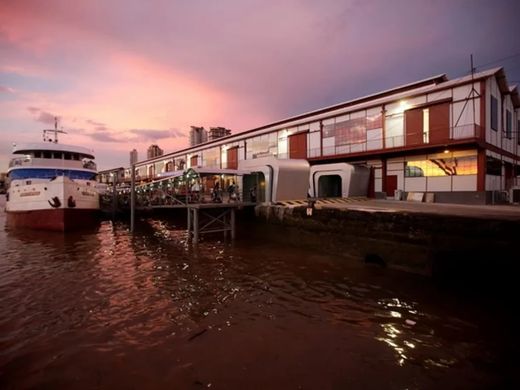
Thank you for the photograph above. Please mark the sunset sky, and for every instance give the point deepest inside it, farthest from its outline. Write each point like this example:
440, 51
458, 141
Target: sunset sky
123, 74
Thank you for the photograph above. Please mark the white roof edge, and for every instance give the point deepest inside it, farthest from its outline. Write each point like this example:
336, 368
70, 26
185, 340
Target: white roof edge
50, 146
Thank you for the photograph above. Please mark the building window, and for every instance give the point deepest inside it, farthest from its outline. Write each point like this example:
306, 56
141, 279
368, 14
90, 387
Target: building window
262, 146
350, 131
436, 166
509, 124
374, 121
493, 166
494, 113
518, 132
426, 125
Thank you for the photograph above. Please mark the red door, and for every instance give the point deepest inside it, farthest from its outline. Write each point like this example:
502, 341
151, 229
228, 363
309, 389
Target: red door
298, 145
232, 158
391, 185
413, 121
440, 123
194, 161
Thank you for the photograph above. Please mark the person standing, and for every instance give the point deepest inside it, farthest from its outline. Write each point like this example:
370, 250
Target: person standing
252, 194
195, 191
215, 195
231, 191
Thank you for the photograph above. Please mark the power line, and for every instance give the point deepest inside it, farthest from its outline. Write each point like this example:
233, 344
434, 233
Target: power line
499, 60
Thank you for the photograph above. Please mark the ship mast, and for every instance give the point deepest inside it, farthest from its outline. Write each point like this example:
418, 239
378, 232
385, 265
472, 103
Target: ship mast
53, 139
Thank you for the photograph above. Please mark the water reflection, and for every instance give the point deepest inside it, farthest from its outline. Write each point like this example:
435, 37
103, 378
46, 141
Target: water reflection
106, 297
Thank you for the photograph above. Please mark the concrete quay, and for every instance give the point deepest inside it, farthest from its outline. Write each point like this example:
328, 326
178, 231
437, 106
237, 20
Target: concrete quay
468, 243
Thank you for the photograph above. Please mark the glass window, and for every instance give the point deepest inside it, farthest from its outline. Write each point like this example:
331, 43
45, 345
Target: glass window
259, 147
374, 121
37, 154
67, 156
441, 166
56, 155
35, 173
328, 129
47, 154
493, 166
509, 125
346, 131
426, 125
518, 132
211, 158
494, 113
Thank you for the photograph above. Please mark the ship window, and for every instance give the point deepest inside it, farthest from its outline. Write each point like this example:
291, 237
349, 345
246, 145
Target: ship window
56, 155
75, 156
67, 156
37, 154
47, 154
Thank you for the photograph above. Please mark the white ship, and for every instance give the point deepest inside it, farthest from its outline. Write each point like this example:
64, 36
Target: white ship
51, 186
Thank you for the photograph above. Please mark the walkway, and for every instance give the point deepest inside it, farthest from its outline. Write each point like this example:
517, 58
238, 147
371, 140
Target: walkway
503, 212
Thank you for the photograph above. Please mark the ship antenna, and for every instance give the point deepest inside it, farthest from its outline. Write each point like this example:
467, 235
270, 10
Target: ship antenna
46, 132
55, 129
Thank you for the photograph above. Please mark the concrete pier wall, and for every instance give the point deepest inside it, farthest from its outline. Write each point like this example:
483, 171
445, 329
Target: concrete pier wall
448, 247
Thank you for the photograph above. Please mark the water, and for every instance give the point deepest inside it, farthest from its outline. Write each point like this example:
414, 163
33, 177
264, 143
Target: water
105, 309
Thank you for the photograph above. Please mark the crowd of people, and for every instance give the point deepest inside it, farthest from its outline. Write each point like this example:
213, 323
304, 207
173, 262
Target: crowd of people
196, 193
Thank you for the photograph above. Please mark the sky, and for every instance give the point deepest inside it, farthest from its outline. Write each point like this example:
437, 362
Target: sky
124, 74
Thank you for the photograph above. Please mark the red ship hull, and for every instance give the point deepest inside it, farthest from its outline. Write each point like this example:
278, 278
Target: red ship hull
53, 219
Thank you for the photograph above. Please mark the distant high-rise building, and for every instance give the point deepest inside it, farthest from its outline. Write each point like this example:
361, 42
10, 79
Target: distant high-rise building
133, 157
218, 132
198, 135
154, 151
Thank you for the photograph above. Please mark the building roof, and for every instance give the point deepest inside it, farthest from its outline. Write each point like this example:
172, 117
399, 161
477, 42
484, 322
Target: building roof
428, 85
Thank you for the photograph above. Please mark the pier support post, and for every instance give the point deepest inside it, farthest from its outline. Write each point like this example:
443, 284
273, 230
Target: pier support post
232, 223
114, 194
224, 225
188, 210
195, 226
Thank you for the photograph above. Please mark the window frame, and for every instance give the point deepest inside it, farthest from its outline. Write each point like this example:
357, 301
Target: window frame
494, 113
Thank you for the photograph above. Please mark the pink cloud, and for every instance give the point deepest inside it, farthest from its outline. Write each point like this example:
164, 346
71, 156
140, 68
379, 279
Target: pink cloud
110, 67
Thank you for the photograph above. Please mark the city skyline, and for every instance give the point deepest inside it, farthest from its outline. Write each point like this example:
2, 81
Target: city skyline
114, 91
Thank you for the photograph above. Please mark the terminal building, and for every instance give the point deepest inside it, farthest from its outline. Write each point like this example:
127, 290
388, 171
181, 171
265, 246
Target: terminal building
457, 140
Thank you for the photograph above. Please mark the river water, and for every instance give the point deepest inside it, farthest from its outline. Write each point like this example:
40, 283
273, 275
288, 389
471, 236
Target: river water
108, 309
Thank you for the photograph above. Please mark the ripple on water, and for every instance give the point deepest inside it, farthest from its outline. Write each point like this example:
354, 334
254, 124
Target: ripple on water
106, 294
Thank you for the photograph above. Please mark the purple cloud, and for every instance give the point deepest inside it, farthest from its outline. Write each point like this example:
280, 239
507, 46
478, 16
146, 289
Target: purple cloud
47, 118
153, 134
43, 116
95, 123
105, 136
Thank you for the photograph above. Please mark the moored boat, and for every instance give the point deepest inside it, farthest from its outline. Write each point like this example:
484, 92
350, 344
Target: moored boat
51, 186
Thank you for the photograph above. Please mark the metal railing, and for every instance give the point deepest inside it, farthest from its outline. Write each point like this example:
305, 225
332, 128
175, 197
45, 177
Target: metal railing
399, 141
